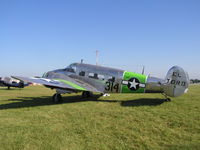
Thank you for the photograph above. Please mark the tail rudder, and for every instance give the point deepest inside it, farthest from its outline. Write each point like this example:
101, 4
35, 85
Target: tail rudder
176, 82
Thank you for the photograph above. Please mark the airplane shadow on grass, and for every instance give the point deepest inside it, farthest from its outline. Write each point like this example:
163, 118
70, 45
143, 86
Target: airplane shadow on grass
24, 102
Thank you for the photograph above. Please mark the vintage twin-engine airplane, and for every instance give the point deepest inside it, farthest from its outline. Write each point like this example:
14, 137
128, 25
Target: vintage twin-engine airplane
86, 78
9, 82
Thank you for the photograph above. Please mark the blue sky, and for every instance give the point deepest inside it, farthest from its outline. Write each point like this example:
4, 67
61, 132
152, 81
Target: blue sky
41, 35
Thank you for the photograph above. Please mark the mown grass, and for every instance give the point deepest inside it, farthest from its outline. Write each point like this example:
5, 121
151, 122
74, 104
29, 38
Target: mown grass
29, 120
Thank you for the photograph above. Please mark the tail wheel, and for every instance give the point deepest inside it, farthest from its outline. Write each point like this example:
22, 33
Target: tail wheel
168, 100
57, 98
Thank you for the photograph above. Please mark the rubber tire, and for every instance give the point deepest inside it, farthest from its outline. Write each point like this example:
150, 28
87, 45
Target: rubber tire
57, 98
86, 94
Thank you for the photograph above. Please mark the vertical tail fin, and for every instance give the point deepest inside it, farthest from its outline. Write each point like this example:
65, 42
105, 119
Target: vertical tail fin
176, 82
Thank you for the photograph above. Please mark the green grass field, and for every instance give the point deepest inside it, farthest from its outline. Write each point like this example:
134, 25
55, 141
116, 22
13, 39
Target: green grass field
29, 120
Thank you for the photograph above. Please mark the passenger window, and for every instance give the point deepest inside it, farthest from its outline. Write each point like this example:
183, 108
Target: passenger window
112, 79
93, 75
101, 77
96, 76
82, 73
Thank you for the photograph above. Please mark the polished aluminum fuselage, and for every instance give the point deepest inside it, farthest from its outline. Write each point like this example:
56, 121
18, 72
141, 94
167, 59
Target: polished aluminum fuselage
94, 75
98, 76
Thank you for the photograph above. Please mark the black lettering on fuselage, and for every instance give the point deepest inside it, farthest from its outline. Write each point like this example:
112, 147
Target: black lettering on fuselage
183, 83
176, 74
168, 80
112, 87
173, 81
177, 82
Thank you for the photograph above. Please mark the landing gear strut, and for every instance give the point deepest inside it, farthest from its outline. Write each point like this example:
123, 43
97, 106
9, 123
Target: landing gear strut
167, 98
57, 98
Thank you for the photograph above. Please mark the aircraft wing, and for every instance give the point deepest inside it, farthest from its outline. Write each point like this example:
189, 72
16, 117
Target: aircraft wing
67, 83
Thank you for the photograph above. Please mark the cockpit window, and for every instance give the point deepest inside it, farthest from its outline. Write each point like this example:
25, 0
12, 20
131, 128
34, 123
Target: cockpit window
71, 68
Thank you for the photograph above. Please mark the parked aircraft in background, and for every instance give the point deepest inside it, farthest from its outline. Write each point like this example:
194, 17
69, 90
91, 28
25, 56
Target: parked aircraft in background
86, 78
9, 82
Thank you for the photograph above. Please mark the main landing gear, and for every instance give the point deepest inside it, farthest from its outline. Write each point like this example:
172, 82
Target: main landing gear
86, 94
57, 98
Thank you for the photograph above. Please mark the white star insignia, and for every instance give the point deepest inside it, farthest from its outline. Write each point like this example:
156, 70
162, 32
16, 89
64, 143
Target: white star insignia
133, 84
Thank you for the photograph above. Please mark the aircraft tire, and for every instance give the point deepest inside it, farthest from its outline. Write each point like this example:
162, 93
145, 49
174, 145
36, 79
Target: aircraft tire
86, 94
57, 98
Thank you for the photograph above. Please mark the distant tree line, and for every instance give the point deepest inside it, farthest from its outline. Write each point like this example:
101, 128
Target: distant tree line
194, 81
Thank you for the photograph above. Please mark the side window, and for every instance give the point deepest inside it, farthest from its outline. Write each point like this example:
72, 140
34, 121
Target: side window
101, 77
96, 76
93, 75
82, 73
111, 79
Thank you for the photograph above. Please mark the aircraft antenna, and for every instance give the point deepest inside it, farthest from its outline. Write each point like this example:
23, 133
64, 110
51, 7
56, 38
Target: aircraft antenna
97, 57
143, 69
